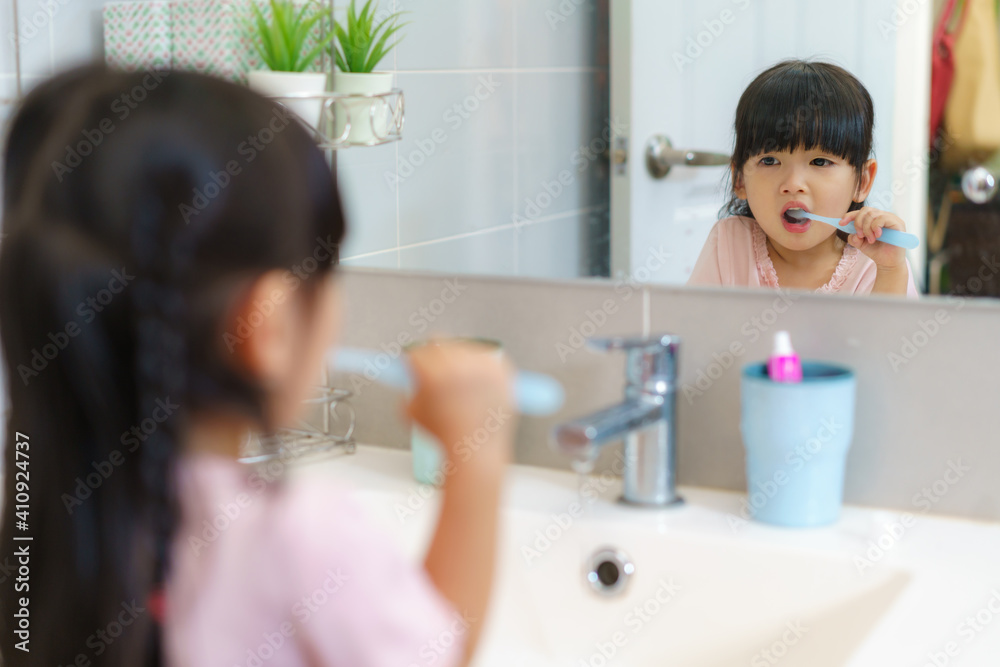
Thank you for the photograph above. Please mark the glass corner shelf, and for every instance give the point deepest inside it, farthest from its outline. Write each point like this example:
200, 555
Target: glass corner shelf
349, 119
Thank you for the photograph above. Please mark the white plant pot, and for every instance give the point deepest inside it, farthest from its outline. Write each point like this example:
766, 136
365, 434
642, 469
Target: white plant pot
274, 84
370, 118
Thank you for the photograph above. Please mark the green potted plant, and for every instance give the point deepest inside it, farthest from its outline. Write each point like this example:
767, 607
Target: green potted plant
283, 45
361, 44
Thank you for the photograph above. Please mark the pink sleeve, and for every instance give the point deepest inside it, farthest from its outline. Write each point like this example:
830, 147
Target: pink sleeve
867, 282
707, 270
355, 599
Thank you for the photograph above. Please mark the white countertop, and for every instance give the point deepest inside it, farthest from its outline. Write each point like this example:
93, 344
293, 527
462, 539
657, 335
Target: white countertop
950, 601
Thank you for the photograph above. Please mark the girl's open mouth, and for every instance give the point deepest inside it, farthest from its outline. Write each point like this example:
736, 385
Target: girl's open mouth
795, 225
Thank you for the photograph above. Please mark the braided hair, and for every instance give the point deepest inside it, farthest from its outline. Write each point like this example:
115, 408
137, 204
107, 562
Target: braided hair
113, 295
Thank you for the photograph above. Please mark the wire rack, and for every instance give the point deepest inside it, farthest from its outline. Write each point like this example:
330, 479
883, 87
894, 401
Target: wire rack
307, 442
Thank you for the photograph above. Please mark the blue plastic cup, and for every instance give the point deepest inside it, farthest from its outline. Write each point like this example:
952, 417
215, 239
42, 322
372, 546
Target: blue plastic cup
796, 437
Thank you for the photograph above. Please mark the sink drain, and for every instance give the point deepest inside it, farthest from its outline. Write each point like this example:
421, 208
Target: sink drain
608, 571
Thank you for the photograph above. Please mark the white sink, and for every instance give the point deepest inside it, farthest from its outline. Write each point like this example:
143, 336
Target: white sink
707, 590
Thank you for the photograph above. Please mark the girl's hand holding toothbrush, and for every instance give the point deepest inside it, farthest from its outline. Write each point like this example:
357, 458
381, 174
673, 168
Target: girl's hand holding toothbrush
868, 224
462, 394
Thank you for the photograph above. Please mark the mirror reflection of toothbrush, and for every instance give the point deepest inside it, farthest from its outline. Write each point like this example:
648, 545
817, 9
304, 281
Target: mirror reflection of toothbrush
890, 236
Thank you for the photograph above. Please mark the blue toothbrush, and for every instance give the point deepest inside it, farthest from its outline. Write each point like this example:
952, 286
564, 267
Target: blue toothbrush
890, 236
534, 393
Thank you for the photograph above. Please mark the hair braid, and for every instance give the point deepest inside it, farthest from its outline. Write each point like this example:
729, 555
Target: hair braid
161, 372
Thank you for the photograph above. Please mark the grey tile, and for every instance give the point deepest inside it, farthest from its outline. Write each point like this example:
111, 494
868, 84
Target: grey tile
562, 134
447, 35
559, 33
489, 253
542, 325
929, 406
455, 162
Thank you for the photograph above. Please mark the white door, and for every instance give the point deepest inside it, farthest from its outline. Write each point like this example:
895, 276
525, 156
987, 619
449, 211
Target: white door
678, 68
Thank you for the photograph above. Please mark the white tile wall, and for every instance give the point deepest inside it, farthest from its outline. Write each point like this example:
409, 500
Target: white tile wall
530, 83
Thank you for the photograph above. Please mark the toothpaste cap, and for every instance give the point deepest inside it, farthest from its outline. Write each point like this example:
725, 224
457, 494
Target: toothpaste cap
782, 345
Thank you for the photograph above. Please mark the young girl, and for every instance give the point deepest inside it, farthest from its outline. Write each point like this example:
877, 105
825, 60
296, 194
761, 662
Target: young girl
124, 275
803, 139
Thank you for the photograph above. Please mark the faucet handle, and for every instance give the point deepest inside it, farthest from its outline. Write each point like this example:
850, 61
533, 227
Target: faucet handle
651, 361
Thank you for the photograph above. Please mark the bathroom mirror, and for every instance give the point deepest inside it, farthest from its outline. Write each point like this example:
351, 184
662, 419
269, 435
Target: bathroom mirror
528, 127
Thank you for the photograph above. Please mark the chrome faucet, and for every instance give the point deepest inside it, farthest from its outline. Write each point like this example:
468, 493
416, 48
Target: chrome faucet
646, 419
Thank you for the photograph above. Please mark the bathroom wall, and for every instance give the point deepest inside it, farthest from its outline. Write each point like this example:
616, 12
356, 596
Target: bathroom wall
927, 371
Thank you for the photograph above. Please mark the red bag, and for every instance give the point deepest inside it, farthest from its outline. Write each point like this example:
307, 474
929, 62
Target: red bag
943, 64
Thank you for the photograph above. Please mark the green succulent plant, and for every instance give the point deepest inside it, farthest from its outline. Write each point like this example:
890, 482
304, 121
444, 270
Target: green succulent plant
281, 43
361, 45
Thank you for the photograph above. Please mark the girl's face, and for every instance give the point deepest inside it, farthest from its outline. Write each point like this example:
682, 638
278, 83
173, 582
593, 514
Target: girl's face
813, 179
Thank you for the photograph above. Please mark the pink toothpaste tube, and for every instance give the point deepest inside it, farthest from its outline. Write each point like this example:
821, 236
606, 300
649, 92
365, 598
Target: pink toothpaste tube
784, 365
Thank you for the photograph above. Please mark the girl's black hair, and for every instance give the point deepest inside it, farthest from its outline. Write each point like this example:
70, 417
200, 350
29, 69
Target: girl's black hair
802, 104
138, 208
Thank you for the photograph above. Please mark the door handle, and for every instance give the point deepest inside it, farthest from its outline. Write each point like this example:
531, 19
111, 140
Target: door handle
661, 156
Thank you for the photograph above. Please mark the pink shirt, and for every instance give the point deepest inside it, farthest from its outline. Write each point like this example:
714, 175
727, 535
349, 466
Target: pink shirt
735, 254
290, 575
